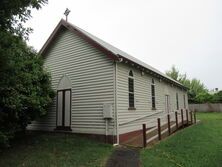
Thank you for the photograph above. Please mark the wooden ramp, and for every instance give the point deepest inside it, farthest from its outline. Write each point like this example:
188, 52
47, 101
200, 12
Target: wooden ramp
152, 137
154, 134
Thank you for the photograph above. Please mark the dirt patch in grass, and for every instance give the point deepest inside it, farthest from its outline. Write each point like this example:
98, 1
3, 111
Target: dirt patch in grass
124, 157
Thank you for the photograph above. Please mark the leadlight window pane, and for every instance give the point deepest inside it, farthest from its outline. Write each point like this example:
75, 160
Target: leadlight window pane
153, 102
131, 73
131, 89
131, 100
131, 85
153, 94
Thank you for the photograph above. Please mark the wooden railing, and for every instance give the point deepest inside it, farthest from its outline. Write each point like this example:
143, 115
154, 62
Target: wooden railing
175, 120
140, 118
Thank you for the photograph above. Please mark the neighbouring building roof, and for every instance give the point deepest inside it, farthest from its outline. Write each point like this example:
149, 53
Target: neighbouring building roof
111, 51
214, 91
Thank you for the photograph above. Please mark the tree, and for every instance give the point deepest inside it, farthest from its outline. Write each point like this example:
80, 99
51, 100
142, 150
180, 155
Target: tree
217, 97
13, 13
176, 75
173, 73
25, 87
204, 97
197, 90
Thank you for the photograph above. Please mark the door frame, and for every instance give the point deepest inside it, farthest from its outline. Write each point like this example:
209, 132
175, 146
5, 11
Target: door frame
63, 127
184, 101
167, 103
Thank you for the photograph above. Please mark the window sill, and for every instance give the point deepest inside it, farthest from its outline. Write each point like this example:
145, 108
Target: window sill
131, 108
153, 108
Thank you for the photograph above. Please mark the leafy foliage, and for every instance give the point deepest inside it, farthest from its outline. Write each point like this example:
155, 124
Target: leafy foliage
204, 98
13, 13
25, 86
217, 97
196, 87
174, 73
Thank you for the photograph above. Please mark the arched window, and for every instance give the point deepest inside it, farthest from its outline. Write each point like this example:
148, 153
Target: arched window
153, 94
131, 73
131, 89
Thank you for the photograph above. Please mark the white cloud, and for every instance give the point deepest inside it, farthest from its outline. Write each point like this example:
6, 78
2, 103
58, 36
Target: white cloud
159, 32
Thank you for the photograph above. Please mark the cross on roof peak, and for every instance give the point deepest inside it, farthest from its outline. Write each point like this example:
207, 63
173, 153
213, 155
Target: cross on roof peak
66, 13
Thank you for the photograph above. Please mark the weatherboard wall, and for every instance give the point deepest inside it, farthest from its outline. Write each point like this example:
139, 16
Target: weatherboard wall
92, 75
131, 120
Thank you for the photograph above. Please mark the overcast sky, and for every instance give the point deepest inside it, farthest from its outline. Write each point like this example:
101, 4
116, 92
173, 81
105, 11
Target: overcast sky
186, 33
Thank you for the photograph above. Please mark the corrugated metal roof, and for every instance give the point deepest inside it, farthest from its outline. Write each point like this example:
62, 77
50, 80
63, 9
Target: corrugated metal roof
117, 51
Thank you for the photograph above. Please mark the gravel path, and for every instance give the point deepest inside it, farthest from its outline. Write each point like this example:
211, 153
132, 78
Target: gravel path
124, 157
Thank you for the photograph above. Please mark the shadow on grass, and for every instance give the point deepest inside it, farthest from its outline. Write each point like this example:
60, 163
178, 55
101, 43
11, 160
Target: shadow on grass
53, 149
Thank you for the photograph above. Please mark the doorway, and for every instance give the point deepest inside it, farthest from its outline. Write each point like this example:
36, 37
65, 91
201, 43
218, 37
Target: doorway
167, 103
63, 118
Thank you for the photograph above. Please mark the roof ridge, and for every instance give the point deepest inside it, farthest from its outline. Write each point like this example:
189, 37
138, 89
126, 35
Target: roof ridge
108, 47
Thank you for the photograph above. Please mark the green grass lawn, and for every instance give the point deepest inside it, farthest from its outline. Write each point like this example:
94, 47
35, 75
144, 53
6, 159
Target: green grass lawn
55, 150
196, 146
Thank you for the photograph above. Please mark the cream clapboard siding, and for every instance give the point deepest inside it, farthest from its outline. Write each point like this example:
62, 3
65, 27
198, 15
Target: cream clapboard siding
92, 77
143, 103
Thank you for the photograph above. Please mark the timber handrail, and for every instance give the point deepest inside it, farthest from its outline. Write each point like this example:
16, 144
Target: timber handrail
170, 117
136, 119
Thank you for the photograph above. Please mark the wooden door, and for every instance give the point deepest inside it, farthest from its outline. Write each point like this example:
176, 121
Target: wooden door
63, 118
167, 103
